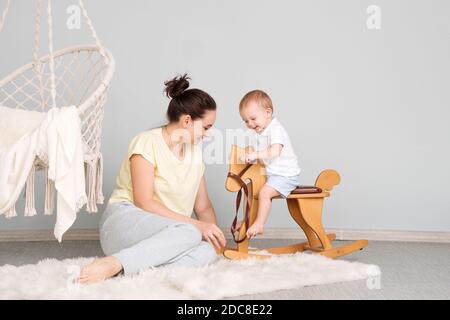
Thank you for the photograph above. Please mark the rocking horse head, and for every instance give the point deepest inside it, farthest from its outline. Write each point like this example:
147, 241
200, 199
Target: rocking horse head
239, 171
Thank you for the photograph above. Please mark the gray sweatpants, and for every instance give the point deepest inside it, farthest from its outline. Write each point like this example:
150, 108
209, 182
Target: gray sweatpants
140, 239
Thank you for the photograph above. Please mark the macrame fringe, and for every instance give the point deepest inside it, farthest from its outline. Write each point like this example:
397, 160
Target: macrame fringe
94, 178
99, 176
94, 185
49, 206
11, 213
30, 207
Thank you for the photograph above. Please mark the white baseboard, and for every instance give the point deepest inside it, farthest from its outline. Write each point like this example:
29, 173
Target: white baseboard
269, 233
355, 234
46, 235
392, 235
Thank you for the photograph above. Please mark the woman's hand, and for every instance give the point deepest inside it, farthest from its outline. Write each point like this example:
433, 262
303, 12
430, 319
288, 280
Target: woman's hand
212, 233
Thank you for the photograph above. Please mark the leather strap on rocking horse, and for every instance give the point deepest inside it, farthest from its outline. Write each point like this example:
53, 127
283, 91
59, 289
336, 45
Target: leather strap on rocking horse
249, 195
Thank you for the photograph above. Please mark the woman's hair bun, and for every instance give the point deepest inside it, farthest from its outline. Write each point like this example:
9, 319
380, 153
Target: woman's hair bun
176, 86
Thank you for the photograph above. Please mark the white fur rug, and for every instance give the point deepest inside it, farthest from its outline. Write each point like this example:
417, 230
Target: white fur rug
52, 279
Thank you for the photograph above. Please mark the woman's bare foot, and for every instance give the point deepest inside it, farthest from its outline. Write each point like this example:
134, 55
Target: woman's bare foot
100, 269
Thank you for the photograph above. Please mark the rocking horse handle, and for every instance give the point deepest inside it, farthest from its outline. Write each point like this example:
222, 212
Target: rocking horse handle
239, 153
327, 179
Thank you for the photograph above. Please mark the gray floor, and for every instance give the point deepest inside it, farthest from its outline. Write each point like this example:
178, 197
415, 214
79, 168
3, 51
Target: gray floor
409, 270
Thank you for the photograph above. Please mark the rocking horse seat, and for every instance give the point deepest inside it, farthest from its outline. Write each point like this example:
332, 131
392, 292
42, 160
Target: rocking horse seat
306, 189
304, 192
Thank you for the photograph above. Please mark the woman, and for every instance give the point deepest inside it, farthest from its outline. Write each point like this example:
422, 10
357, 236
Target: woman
147, 222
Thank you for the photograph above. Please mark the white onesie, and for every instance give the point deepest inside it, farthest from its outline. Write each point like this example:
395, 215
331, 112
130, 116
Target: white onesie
286, 163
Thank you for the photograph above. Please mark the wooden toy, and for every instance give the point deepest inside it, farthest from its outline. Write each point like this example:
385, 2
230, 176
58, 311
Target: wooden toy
305, 206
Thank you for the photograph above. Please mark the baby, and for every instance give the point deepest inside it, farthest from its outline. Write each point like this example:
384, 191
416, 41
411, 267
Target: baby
274, 149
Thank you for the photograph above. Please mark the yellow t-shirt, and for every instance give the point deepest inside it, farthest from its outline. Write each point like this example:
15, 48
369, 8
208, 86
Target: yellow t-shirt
176, 181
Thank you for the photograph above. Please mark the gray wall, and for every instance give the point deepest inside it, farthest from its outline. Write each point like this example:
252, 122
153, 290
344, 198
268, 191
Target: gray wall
372, 104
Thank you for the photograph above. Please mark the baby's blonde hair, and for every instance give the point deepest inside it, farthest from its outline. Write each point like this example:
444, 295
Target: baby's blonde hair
259, 97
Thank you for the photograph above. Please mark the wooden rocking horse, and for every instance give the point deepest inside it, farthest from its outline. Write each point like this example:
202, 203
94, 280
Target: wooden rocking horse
304, 204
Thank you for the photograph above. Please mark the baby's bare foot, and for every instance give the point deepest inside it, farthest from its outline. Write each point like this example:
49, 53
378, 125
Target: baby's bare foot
100, 269
255, 229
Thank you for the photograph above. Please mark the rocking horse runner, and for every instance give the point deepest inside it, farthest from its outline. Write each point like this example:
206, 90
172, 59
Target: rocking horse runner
304, 203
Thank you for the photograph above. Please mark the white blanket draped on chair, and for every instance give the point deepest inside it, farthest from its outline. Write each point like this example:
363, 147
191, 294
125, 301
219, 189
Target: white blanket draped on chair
53, 141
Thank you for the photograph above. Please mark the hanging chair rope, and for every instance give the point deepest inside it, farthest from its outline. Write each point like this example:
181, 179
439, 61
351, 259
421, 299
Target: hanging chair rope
93, 33
50, 50
50, 42
37, 31
37, 62
3, 16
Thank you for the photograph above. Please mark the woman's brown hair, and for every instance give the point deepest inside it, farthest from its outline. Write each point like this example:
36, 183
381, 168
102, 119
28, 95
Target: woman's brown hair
193, 102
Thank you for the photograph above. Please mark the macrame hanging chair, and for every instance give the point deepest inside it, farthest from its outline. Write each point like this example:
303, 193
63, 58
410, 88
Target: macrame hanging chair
79, 76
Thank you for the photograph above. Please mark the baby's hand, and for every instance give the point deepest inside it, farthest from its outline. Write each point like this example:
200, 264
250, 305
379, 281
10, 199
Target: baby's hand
255, 229
249, 157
